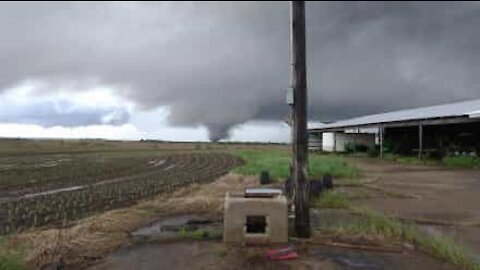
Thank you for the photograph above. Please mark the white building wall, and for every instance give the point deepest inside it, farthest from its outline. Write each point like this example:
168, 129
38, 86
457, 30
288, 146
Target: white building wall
342, 139
327, 141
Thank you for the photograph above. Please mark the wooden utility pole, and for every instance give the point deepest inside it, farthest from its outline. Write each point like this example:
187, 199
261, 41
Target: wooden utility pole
380, 138
420, 141
300, 137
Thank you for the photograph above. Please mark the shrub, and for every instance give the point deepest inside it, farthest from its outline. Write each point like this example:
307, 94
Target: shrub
462, 162
355, 147
9, 262
373, 152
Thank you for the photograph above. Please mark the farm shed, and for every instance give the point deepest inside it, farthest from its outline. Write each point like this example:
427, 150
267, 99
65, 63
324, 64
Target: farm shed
448, 129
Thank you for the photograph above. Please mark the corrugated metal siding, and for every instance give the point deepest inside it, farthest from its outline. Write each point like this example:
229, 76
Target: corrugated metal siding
314, 142
465, 108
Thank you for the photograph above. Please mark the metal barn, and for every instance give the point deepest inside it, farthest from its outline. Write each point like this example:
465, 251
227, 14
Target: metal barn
448, 129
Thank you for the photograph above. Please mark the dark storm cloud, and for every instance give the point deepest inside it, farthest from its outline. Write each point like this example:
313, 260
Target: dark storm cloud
221, 64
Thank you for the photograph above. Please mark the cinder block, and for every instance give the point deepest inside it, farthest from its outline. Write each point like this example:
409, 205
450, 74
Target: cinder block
271, 211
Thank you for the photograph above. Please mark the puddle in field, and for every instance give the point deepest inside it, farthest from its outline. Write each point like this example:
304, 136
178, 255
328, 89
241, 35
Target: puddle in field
9, 163
466, 236
59, 190
170, 167
146, 253
175, 256
74, 188
66, 189
323, 257
449, 216
156, 163
180, 255
47, 164
6, 167
171, 227
435, 231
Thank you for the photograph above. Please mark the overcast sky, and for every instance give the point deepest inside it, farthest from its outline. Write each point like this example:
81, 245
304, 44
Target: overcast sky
194, 71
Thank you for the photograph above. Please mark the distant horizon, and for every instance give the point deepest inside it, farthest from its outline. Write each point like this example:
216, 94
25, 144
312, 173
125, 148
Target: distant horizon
135, 140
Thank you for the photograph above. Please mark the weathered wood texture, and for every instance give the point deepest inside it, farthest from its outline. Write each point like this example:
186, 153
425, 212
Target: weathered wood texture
300, 137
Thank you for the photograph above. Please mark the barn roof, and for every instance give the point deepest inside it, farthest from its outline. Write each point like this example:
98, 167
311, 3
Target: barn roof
469, 109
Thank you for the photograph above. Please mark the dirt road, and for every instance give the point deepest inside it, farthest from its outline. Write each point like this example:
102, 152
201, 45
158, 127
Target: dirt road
448, 200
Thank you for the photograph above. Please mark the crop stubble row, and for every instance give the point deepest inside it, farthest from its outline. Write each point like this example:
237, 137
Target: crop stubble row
178, 170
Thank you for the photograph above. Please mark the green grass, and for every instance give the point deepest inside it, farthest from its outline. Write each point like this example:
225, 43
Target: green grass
199, 234
376, 224
362, 194
10, 262
452, 162
277, 164
331, 199
359, 155
367, 222
10, 258
412, 160
462, 162
222, 252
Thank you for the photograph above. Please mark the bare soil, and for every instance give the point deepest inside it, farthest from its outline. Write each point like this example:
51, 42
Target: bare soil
97, 236
428, 194
443, 200
321, 254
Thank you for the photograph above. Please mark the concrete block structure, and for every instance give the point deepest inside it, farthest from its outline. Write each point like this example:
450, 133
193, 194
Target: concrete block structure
259, 220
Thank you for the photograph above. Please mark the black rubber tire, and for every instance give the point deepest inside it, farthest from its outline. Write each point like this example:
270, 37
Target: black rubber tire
288, 187
265, 178
316, 187
327, 181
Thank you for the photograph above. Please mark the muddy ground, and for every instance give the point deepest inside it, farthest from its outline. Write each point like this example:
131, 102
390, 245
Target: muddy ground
443, 200
209, 255
157, 247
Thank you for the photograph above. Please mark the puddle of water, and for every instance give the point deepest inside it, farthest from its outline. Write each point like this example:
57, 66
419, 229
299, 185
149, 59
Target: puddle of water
6, 167
170, 167
349, 259
433, 230
202, 255
170, 227
145, 254
157, 227
449, 216
156, 163
49, 192
59, 190
9, 163
174, 256
47, 164
467, 236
